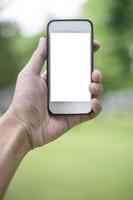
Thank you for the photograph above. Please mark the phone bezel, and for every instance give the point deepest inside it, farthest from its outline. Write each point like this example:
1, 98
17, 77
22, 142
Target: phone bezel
66, 105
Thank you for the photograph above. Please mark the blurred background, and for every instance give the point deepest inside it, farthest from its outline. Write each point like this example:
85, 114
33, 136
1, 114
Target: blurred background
95, 159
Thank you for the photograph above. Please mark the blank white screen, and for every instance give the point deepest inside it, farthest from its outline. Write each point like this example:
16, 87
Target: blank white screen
70, 67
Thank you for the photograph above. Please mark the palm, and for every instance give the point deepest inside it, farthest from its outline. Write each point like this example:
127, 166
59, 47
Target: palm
30, 107
30, 103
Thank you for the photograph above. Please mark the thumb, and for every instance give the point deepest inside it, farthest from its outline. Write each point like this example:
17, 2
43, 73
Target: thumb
36, 61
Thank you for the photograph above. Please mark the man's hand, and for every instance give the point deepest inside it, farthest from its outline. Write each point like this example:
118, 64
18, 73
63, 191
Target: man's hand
29, 105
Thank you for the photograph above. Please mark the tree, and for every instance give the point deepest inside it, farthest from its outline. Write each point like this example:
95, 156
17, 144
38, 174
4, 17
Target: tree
8, 68
14, 50
112, 21
122, 29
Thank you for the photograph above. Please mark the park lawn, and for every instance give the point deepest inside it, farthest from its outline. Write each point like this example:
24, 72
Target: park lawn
93, 161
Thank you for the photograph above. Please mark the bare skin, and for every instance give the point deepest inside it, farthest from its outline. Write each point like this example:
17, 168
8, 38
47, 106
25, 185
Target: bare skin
27, 123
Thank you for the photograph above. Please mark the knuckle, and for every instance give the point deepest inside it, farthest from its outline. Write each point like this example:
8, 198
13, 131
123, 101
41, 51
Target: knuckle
98, 104
20, 74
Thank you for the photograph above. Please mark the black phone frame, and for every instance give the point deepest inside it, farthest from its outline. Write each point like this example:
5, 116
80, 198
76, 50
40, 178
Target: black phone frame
48, 64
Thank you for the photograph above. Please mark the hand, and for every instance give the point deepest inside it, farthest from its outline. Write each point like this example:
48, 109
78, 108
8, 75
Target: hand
29, 105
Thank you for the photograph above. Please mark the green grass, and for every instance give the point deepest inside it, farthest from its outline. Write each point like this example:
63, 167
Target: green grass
93, 161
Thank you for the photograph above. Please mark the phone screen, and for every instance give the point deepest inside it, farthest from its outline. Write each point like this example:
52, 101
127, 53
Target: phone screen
70, 66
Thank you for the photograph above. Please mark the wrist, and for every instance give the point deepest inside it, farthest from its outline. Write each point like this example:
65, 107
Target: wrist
13, 147
13, 133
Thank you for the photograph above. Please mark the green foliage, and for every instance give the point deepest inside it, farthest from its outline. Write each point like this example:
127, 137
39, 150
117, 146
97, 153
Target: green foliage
8, 64
15, 51
112, 21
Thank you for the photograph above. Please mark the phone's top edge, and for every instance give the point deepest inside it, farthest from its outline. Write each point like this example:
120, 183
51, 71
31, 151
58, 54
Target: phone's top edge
58, 20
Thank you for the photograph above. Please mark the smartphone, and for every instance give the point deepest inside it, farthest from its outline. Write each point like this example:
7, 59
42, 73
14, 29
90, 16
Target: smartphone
69, 66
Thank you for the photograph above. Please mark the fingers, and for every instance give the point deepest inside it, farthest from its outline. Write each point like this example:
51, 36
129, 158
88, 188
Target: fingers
96, 106
36, 62
96, 89
96, 46
96, 76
